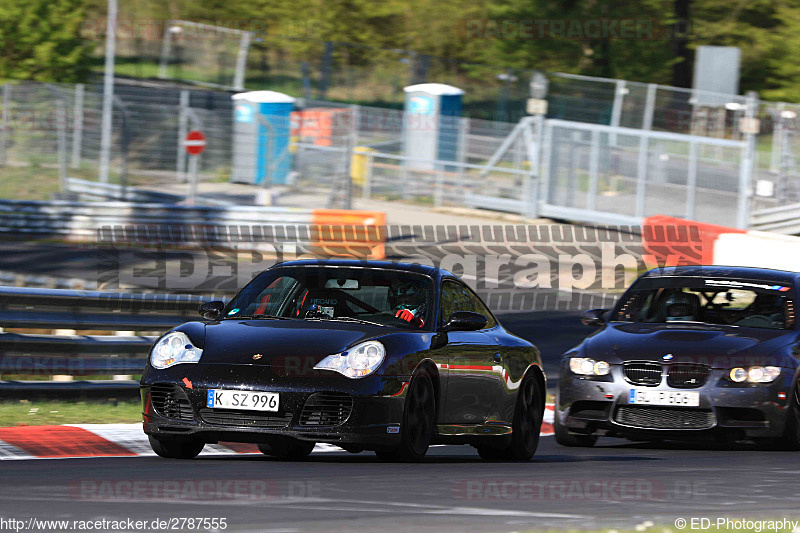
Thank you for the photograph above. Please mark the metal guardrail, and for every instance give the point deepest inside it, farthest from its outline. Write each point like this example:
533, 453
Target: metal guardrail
784, 219
42, 355
94, 190
80, 221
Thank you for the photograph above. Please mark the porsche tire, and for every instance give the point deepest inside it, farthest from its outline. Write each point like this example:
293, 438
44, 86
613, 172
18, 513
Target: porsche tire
419, 417
175, 448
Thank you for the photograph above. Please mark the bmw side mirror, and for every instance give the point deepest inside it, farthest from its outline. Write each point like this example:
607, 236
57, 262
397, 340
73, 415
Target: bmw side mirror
211, 310
465, 321
594, 317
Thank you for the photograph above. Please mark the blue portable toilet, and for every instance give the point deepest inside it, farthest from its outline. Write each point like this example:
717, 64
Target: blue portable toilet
433, 111
261, 133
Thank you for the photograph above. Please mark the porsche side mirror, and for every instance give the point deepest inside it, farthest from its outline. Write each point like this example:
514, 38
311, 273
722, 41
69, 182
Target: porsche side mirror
211, 310
465, 321
593, 317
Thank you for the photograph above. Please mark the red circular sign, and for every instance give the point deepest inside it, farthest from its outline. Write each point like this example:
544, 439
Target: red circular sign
195, 142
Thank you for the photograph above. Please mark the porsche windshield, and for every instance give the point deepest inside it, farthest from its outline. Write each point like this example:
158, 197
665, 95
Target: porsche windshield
727, 302
384, 297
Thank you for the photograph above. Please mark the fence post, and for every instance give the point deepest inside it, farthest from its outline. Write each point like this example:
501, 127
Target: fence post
777, 135
641, 174
124, 143
327, 68
366, 191
649, 107
4, 125
63, 186
61, 136
77, 126
463, 133
594, 171
183, 120
241, 62
616, 111
691, 181
746, 168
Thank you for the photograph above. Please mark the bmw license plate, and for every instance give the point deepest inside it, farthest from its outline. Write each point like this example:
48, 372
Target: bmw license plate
237, 399
663, 397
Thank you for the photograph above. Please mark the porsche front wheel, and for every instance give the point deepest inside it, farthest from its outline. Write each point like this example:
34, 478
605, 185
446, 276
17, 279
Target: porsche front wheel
175, 448
419, 416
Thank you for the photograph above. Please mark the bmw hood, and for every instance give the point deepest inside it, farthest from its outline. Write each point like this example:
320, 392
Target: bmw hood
273, 342
719, 347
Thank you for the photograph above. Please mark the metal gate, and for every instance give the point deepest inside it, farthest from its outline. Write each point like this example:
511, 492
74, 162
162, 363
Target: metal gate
610, 175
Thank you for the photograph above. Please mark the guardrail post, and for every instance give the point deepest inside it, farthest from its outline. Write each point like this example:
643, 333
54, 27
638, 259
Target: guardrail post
77, 126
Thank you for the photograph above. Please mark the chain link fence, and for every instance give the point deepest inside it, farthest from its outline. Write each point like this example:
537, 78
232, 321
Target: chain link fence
645, 156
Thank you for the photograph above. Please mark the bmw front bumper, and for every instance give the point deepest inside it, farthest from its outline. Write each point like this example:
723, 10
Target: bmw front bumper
601, 405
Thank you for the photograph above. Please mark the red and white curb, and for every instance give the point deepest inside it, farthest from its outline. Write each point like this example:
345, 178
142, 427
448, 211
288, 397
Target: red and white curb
119, 440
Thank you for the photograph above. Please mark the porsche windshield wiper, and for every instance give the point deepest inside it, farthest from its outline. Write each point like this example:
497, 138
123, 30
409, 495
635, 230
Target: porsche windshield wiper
348, 319
258, 316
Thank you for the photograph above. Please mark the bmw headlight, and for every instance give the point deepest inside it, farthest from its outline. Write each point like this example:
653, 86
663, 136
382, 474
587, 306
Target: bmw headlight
755, 374
357, 362
174, 348
584, 366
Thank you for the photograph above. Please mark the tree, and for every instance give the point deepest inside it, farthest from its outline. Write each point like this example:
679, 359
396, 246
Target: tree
41, 40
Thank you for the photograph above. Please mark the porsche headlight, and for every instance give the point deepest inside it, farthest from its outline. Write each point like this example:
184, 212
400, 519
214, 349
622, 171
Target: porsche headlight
359, 361
755, 374
174, 348
584, 366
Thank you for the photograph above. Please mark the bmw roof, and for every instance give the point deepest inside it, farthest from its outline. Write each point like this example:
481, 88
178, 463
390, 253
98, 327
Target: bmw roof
364, 263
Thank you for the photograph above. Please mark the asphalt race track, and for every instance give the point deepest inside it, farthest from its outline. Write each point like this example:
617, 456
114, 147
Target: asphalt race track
617, 484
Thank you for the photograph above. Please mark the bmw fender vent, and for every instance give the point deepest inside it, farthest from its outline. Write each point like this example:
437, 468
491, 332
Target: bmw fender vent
326, 409
170, 401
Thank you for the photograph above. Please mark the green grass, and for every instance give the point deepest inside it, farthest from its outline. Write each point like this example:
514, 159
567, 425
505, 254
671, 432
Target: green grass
51, 412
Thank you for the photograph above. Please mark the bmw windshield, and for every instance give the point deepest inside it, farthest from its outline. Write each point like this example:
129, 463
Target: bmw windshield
383, 297
722, 302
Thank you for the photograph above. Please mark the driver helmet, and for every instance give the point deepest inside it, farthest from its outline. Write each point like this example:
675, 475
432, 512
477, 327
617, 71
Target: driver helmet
682, 306
405, 294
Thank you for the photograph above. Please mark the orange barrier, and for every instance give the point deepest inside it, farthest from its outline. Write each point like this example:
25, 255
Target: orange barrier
677, 241
341, 232
319, 124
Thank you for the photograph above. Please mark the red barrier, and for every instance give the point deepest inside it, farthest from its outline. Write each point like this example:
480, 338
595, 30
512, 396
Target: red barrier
677, 241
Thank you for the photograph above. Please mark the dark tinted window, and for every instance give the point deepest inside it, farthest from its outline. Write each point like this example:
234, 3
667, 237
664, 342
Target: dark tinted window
321, 292
727, 302
458, 297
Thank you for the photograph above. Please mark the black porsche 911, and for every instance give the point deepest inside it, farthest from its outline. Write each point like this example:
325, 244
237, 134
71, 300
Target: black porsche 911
688, 352
361, 354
